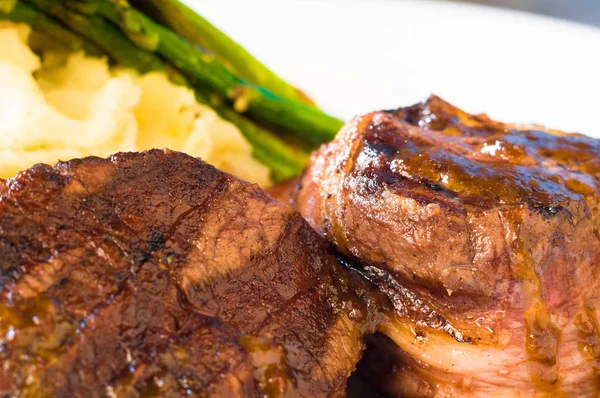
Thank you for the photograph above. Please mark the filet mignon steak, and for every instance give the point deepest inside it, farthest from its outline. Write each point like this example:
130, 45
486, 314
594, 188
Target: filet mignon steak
485, 237
155, 274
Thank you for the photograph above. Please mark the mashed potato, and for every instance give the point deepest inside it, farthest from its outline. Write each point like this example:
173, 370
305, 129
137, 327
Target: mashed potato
68, 106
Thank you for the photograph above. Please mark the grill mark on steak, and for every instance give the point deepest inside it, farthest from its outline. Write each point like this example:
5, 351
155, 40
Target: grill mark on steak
134, 264
94, 311
155, 243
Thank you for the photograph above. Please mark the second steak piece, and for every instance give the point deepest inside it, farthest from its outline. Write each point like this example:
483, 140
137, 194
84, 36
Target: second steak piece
485, 237
155, 274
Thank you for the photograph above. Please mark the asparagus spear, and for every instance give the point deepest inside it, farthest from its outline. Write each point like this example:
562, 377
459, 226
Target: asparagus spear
22, 13
104, 34
191, 26
304, 120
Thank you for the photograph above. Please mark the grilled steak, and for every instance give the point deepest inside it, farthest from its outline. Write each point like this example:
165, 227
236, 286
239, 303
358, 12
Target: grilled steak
155, 274
484, 236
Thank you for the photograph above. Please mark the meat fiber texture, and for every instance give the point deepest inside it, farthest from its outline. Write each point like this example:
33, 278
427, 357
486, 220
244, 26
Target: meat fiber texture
155, 274
484, 235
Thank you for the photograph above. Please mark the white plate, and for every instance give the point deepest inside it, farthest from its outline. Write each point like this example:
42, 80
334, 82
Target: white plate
358, 56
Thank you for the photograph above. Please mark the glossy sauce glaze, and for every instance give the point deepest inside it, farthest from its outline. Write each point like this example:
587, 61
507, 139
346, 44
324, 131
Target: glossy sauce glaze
491, 227
154, 274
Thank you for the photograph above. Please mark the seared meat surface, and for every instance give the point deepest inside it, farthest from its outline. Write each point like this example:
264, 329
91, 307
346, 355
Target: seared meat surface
483, 235
155, 274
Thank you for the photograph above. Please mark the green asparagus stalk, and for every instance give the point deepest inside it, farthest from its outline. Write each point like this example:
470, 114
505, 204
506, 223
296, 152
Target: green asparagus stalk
103, 34
302, 119
197, 30
22, 13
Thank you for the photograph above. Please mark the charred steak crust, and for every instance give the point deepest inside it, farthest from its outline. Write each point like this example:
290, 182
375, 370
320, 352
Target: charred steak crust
155, 274
485, 237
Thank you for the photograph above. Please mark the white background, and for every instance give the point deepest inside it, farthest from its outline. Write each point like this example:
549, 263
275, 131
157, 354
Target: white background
358, 56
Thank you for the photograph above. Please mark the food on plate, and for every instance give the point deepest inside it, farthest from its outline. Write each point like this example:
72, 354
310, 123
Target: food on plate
155, 274
483, 235
462, 252
89, 108
278, 122
466, 259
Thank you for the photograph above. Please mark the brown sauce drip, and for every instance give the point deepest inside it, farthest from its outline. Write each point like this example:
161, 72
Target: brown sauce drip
271, 369
542, 337
588, 333
541, 344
